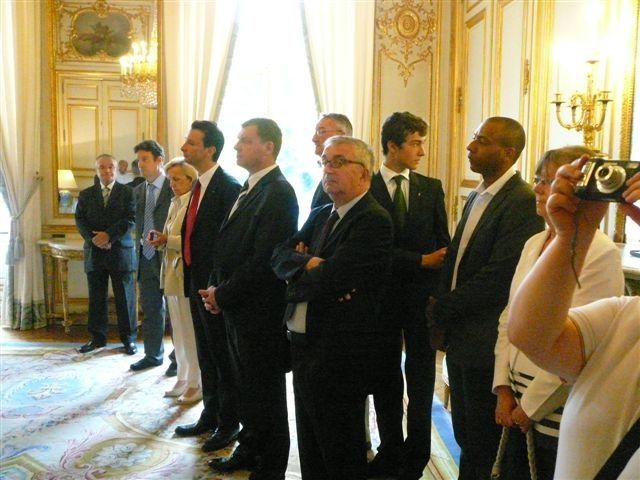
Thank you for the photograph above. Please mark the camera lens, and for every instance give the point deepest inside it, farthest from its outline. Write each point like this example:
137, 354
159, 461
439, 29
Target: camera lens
610, 178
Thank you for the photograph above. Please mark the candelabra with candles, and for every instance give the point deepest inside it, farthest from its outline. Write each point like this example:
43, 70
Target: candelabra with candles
588, 109
139, 73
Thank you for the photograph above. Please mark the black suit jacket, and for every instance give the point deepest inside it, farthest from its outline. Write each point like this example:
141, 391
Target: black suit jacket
357, 260
425, 231
470, 312
117, 218
320, 197
217, 200
248, 292
160, 210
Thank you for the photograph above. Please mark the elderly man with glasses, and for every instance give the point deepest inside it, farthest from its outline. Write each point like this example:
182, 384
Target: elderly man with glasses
336, 268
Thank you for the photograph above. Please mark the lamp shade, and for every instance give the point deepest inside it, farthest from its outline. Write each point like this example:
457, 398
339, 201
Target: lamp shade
66, 180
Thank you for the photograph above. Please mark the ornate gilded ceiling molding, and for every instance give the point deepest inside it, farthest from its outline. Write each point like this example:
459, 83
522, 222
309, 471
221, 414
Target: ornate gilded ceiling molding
406, 31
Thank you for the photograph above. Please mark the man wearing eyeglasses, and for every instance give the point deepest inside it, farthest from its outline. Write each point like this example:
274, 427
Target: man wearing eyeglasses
337, 267
421, 235
498, 218
330, 124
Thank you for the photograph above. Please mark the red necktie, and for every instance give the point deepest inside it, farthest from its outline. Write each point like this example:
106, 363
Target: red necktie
191, 221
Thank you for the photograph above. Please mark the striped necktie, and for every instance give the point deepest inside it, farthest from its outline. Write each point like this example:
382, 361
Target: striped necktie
149, 205
105, 196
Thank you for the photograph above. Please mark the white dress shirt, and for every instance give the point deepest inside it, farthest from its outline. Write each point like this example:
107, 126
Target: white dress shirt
204, 180
483, 197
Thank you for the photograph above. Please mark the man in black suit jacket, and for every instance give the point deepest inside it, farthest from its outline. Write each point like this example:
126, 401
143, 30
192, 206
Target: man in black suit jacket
105, 217
153, 198
252, 300
497, 220
421, 235
212, 197
330, 124
337, 267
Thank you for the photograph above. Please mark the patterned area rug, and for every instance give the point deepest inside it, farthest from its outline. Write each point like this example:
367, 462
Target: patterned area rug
67, 416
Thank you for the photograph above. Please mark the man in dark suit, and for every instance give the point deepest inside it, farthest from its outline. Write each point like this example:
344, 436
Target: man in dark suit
252, 300
213, 195
421, 235
497, 220
153, 198
105, 217
330, 124
337, 267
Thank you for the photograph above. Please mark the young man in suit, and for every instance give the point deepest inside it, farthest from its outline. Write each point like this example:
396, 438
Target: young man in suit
421, 235
213, 195
498, 218
330, 124
105, 217
153, 198
252, 300
337, 267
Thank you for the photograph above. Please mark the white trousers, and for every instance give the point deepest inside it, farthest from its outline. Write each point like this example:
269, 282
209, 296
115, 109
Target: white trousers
184, 340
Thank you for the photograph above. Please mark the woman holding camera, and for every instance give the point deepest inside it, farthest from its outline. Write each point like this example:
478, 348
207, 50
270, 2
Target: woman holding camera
529, 397
188, 387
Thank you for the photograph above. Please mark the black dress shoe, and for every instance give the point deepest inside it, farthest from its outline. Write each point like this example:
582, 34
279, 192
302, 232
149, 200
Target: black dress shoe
220, 439
193, 429
144, 363
240, 459
130, 348
172, 371
91, 346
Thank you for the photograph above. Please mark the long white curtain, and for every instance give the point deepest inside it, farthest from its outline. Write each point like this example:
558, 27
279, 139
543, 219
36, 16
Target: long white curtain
197, 38
341, 45
20, 39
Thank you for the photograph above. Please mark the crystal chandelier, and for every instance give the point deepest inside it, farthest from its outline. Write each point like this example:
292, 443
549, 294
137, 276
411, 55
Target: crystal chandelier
139, 73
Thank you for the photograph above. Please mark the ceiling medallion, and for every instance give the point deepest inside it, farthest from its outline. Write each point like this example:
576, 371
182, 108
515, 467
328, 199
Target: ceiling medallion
406, 33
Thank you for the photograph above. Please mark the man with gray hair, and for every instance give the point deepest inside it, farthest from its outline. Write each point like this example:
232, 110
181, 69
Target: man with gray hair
330, 124
105, 217
336, 267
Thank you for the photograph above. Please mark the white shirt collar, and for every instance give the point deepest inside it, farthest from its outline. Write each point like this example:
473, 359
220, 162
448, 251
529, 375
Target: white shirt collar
388, 174
256, 177
110, 186
344, 209
206, 177
496, 186
181, 199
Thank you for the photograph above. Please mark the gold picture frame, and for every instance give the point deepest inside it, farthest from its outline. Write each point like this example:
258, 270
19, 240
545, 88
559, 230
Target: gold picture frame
98, 32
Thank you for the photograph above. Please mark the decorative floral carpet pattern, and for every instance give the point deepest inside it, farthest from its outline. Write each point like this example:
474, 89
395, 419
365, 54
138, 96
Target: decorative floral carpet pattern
66, 416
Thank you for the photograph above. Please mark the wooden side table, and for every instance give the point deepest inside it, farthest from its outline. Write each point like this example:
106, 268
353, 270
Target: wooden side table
56, 254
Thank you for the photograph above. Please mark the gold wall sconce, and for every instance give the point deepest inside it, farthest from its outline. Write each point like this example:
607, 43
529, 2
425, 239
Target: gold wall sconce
588, 108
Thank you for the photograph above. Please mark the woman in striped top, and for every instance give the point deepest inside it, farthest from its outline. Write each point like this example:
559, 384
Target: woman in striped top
529, 397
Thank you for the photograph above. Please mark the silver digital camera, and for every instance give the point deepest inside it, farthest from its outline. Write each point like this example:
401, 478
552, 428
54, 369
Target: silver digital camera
605, 180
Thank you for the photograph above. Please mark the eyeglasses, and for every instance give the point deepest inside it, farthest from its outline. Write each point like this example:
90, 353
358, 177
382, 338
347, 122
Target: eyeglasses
321, 132
336, 162
537, 180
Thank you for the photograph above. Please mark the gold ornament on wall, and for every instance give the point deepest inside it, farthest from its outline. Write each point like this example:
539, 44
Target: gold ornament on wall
406, 31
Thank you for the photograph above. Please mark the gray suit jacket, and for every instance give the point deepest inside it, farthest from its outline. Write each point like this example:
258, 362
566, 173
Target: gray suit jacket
470, 312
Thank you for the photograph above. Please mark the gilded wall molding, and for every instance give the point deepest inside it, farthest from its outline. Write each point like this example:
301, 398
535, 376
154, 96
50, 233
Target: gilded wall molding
406, 33
627, 123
